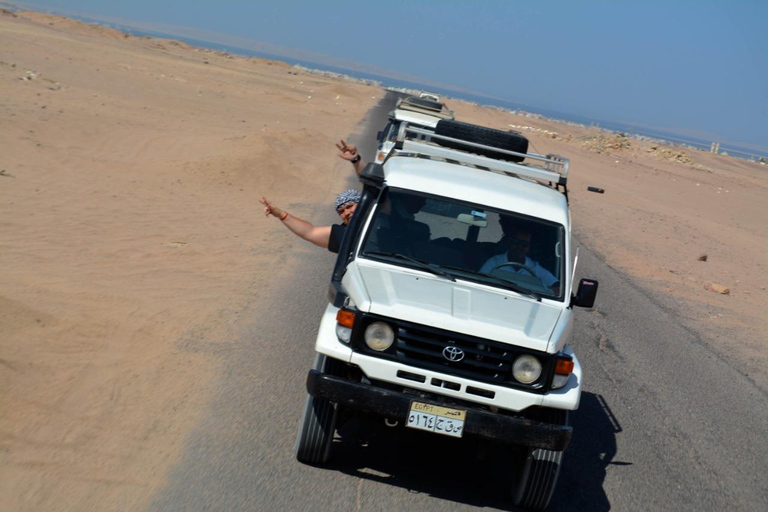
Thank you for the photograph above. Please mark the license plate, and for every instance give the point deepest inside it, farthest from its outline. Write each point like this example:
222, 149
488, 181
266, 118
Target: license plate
440, 420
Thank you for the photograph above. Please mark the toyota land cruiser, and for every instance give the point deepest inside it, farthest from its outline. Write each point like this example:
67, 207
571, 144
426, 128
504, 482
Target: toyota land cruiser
451, 302
423, 112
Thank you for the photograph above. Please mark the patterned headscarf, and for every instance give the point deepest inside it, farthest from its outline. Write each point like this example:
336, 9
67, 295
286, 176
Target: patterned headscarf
348, 196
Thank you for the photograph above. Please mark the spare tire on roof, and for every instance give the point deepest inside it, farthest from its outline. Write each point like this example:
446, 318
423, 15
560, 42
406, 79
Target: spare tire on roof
510, 141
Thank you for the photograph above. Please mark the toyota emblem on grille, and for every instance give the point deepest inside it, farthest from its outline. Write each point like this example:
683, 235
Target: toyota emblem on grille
453, 354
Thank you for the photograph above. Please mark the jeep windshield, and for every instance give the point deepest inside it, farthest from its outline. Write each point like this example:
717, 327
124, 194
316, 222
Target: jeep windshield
470, 242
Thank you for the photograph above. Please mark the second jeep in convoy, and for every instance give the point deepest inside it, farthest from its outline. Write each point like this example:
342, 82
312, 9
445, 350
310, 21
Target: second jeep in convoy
424, 111
451, 302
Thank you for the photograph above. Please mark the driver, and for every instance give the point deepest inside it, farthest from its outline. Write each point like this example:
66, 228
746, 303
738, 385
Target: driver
518, 240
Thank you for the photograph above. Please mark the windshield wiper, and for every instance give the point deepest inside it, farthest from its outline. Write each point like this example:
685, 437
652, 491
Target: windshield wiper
511, 284
429, 267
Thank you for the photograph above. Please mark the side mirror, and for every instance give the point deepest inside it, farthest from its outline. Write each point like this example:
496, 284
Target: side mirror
373, 174
585, 297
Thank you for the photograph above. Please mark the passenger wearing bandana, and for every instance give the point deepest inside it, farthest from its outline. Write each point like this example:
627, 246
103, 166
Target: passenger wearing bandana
329, 237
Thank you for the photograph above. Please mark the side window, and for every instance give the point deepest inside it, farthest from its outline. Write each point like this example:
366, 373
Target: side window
384, 134
389, 132
393, 129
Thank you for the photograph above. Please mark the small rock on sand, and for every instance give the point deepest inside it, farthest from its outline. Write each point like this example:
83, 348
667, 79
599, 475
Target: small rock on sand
718, 288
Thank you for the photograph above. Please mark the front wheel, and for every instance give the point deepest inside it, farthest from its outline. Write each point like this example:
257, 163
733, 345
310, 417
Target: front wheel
317, 426
318, 423
540, 470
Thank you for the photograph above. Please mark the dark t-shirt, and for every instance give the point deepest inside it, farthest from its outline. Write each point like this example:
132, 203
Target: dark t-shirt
337, 235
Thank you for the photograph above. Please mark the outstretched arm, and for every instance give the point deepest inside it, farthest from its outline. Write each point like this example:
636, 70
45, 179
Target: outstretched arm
318, 235
350, 153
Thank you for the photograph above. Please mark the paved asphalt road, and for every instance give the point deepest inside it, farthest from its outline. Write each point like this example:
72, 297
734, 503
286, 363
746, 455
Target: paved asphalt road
664, 423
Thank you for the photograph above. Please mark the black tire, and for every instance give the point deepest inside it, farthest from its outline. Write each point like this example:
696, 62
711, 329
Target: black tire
317, 426
510, 141
318, 423
539, 473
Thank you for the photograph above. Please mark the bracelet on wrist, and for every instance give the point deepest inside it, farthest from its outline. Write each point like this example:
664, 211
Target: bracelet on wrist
356, 159
284, 217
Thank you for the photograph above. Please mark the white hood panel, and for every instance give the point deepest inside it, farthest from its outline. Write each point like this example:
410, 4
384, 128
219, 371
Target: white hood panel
460, 306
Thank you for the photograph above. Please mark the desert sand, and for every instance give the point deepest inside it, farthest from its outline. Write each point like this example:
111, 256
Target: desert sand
129, 179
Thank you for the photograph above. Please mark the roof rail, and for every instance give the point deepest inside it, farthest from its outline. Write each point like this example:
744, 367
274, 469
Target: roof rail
548, 168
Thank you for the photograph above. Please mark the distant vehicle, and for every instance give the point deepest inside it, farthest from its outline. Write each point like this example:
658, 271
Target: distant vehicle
417, 112
429, 96
427, 106
433, 321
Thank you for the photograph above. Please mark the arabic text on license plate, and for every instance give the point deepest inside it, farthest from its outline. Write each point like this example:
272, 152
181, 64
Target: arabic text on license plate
441, 420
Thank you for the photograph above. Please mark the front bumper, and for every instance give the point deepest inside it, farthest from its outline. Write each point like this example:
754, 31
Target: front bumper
480, 423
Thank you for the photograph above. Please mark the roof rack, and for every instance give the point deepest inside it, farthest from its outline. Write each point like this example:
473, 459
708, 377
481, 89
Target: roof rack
549, 168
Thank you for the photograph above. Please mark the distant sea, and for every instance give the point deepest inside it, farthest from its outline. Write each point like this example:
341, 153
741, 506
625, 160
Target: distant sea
747, 153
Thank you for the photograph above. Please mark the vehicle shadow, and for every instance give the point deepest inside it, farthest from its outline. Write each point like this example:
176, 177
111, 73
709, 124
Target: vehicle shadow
476, 473
590, 453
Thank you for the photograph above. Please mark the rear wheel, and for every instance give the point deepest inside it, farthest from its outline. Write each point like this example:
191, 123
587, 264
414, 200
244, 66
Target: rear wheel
317, 426
540, 470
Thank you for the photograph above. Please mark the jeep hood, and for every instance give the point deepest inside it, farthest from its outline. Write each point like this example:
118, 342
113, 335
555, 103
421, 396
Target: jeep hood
465, 307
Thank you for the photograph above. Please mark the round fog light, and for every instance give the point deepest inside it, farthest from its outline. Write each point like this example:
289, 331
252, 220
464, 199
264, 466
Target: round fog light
526, 369
379, 336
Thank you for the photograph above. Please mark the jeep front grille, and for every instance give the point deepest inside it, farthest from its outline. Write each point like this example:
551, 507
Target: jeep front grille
420, 346
482, 360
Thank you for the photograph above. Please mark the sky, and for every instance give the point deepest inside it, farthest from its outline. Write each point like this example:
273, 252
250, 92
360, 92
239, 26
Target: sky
697, 68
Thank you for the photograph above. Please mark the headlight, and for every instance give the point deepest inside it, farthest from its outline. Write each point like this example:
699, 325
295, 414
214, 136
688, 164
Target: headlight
379, 336
526, 369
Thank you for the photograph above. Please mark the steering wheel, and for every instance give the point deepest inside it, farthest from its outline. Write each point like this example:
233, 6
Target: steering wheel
515, 265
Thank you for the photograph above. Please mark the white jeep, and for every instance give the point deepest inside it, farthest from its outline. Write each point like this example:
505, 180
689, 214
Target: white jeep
424, 112
451, 302
429, 96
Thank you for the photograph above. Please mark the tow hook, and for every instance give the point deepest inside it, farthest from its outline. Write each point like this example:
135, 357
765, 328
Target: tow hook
390, 423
